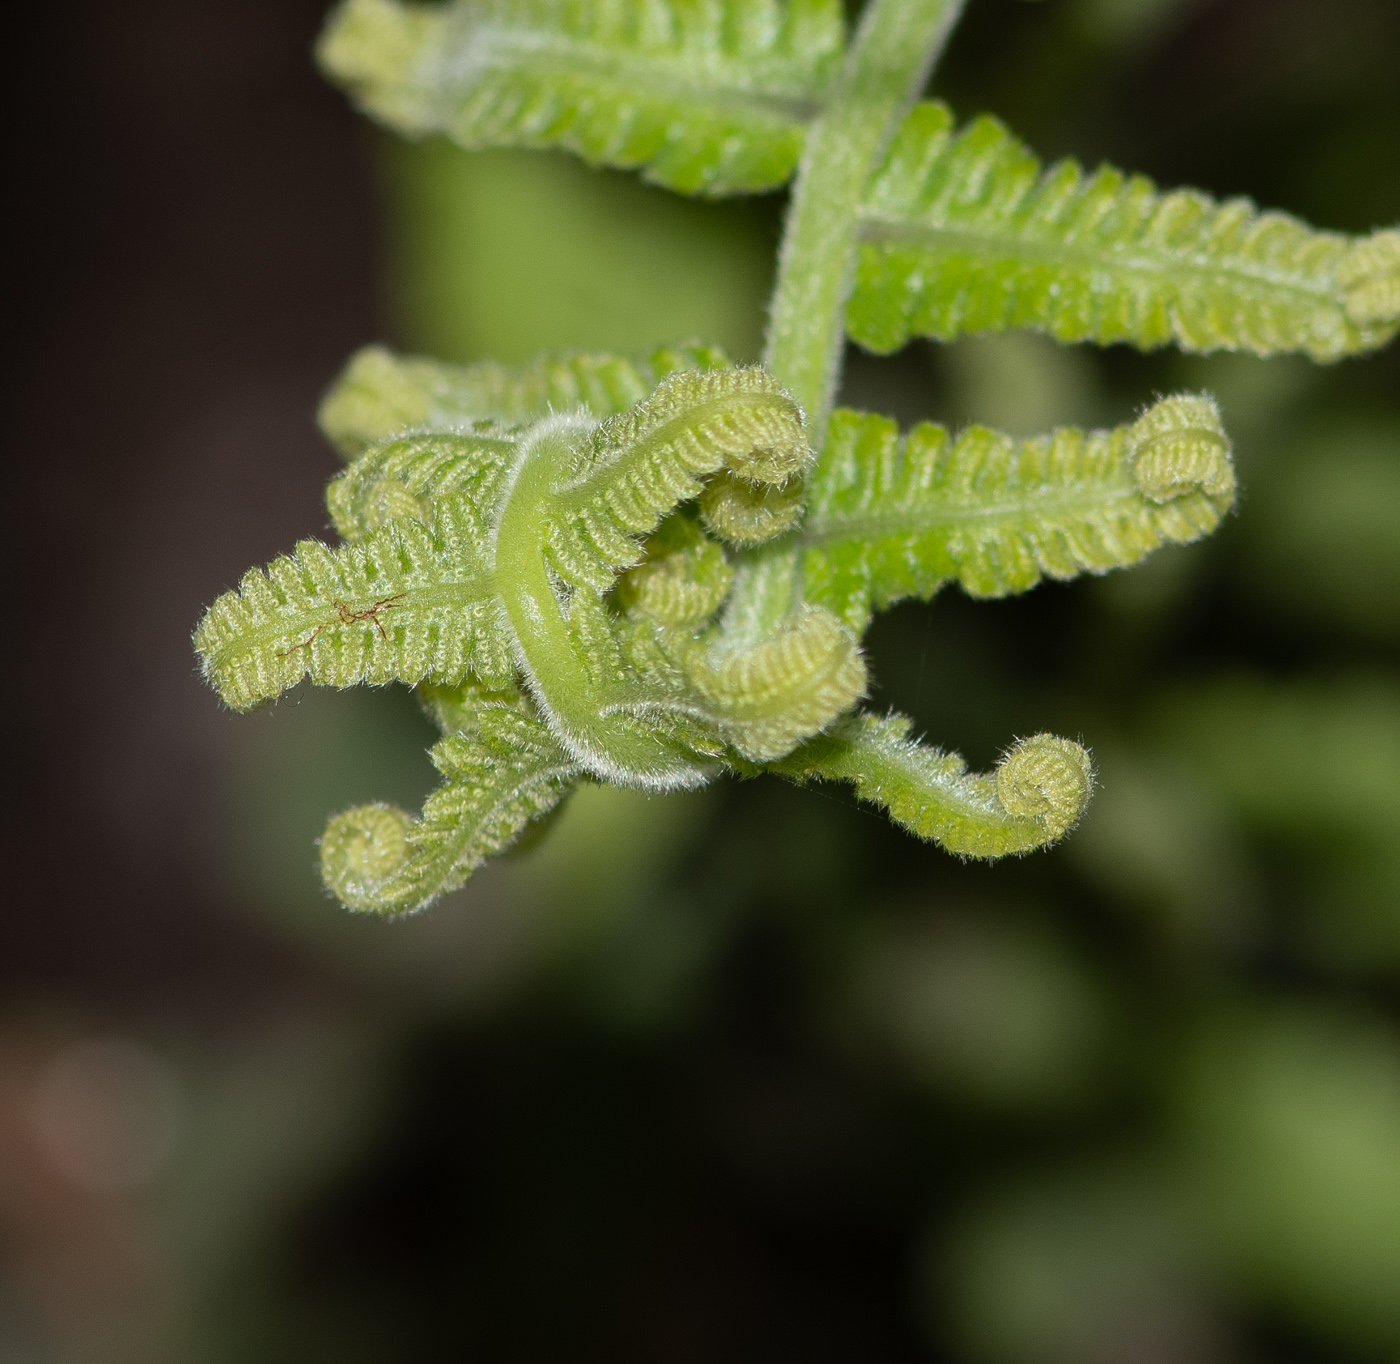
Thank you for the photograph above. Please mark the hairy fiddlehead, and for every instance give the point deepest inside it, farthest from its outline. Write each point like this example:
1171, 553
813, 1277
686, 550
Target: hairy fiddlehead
651, 570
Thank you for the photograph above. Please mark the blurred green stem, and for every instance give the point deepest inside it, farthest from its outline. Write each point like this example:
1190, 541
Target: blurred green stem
888, 65
885, 72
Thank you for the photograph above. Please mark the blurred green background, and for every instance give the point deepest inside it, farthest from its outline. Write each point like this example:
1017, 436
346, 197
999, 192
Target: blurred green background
745, 1073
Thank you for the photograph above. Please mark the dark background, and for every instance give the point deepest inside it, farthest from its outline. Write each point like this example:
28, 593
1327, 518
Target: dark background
739, 1075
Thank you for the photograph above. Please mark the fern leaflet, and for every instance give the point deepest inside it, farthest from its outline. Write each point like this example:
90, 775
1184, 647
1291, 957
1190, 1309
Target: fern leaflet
381, 394
1034, 797
503, 772
705, 96
965, 233
408, 602
890, 518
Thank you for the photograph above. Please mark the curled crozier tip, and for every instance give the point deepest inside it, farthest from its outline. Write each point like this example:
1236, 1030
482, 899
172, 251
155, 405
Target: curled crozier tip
1369, 278
1046, 779
745, 513
682, 587
1179, 446
752, 425
769, 697
363, 853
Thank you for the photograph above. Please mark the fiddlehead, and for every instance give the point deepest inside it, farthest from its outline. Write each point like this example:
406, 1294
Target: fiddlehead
683, 578
631, 569
579, 498
499, 774
769, 696
1034, 797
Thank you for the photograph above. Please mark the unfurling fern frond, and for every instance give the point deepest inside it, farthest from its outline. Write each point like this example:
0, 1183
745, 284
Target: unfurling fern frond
1034, 797
407, 476
503, 772
965, 233
708, 98
381, 394
893, 517
768, 697
579, 500
408, 602
682, 580
638, 465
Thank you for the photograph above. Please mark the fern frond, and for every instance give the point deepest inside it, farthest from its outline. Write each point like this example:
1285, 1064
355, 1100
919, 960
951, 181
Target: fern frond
683, 579
408, 602
381, 394
455, 708
1033, 799
891, 517
768, 697
706, 98
408, 476
499, 776
745, 513
640, 464
965, 233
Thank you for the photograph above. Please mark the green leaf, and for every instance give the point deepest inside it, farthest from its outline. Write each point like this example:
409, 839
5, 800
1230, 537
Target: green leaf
381, 394
408, 602
704, 96
767, 697
641, 463
528, 531
682, 580
1034, 797
891, 517
965, 233
502, 773
406, 477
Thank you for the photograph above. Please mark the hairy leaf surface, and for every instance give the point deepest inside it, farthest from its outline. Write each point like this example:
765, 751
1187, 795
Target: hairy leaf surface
641, 463
381, 394
1034, 798
408, 602
704, 96
892, 517
963, 232
500, 774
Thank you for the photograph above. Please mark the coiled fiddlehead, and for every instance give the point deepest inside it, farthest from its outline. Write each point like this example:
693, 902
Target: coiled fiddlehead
639, 570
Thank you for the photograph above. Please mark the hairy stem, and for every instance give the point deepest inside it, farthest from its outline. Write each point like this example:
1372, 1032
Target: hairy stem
894, 50
583, 711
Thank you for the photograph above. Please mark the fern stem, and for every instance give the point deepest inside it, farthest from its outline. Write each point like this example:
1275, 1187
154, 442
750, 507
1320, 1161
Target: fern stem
894, 50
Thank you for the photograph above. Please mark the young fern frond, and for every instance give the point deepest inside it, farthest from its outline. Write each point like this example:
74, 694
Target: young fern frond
504, 772
706, 98
768, 697
408, 602
380, 394
683, 578
964, 232
631, 570
640, 464
405, 477
891, 517
1033, 799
